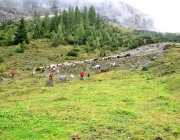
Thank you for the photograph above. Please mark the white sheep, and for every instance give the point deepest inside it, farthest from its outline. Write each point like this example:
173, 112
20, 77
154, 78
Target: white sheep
33, 73
71, 75
112, 64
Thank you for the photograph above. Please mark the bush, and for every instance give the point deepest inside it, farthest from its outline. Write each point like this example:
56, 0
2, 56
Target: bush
38, 69
72, 53
1, 60
2, 68
10, 53
75, 49
19, 49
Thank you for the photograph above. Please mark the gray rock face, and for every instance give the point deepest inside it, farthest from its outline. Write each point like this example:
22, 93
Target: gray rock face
116, 13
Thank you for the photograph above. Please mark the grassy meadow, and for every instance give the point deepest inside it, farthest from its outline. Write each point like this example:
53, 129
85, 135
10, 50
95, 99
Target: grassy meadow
117, 105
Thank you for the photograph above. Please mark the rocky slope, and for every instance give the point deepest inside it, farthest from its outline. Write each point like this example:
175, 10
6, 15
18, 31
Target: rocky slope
116, 13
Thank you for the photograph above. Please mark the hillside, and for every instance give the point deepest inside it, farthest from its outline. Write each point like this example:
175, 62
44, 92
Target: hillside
115, 13
124, 103
135, 97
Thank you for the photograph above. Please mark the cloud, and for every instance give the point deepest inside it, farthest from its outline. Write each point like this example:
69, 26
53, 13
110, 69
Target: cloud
164, 13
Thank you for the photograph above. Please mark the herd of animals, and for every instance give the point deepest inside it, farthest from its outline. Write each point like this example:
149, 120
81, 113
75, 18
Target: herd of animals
72, 69
61, 70
93, 64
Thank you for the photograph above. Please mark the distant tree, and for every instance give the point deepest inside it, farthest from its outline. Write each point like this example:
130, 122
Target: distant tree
102, 53
85, 18
10, 37
21, 33
21, 47
92, 15
87, 48
80, 32
98, 22
77, 19
55, 41
36, 16
60, 34
71, 18
46, 22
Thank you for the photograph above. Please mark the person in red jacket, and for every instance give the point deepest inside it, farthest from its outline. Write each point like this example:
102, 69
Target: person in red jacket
81, 75
50, 76
12, 72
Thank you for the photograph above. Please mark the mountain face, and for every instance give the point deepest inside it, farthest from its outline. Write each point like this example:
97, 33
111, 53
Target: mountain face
116, 13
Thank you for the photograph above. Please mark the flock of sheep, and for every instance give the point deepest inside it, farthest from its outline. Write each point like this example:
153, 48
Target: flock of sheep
92, 64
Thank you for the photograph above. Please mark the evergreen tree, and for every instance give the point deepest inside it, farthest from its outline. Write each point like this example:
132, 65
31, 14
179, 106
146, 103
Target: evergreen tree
92, 16
60, 35
46, 24
98, 22
80, 33
71, 18
10, 37
77, 19
36, 16
21, 33
64, 19
85, 18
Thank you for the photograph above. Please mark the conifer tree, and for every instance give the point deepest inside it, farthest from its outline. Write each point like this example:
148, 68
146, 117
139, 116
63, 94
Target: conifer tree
85, 18
60, 35
46, 22
71, 18
77, 19
10, 37
80, 32
92, 15
21, 33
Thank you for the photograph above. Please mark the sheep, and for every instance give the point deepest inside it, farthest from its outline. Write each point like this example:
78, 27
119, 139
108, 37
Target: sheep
97, 66
57, 71
62, 78
71, 75
33, 73
112, 64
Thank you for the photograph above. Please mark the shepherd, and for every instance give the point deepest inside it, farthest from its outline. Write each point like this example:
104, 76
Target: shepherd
100, 69
50, 76
81, 75
12, 72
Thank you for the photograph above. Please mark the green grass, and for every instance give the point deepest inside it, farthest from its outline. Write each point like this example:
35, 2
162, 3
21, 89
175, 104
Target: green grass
97, 108
120, 104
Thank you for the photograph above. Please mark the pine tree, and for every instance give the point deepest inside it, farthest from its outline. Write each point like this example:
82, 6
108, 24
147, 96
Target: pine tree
85, 18
92, 15
71, 18
60, 35
80, 32
77, 19
21, 33
10, 37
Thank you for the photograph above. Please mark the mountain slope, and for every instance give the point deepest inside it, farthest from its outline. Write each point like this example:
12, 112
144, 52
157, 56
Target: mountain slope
116, 13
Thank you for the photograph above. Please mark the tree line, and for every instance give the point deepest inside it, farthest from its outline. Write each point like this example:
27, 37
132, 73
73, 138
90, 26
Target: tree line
78, 27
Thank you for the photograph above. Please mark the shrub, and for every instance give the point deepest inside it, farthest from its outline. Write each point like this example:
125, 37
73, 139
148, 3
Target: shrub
10, 53
2, 68
75, 49
19, 49
72, 53
1, 60
38, 69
